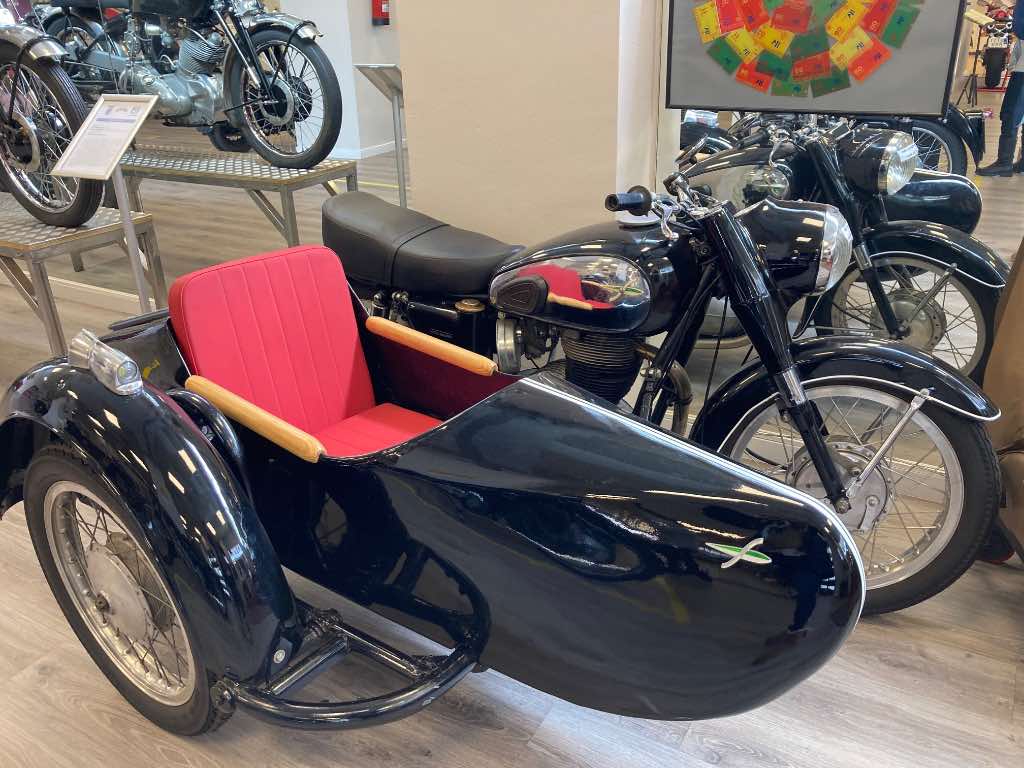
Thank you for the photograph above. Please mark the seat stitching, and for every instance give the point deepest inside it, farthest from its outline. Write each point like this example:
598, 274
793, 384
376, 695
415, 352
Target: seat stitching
295, 379
309, 348
330, 345
237, 338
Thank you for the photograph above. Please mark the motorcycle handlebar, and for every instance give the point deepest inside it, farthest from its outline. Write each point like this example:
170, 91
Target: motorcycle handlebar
753, 139
636, 201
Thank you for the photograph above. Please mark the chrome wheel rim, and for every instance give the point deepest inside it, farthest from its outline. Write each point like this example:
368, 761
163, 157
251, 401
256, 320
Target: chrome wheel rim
292, 122
950, 326
918, 486
933, 153
43, 126
119, 594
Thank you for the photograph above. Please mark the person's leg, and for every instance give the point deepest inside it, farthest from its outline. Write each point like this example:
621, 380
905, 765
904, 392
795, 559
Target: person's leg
1011, 115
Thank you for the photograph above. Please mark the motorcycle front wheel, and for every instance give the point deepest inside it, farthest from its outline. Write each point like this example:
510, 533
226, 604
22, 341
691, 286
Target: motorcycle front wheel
939, 149
954, 325
48, 111
923, 513
298, 123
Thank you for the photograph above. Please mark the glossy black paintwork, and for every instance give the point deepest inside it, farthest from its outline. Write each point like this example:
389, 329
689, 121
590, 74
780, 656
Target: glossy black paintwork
200, 524
844, 359
942, 198
789, 233
671, 273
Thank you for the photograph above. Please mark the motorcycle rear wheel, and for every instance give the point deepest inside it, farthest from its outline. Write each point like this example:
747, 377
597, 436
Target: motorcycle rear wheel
939, 148
995, 66
935, 494
302, 127
49, 111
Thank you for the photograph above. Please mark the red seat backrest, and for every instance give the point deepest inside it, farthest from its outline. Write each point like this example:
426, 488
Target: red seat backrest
278, 330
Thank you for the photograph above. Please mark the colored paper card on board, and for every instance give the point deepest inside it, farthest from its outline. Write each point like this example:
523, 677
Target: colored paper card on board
772, 5
776, 66
849, 49
754, 13
782, 87
775, 40
811, 67
865, 65
744, 44
793, 16
896, 31
727, 58
707, 21
747, 73
846, 19
729, 15
815, 41
878, 16
822, 10
837, 80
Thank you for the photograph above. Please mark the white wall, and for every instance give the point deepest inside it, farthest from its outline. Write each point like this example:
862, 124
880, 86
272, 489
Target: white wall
349, 38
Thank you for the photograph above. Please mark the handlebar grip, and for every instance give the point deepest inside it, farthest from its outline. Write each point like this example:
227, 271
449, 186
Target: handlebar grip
637, 201
752, 140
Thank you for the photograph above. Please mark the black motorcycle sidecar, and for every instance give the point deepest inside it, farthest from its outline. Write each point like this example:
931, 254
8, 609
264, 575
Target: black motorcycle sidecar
171, 471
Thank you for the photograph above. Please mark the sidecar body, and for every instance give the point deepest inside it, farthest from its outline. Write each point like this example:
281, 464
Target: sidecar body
522, 524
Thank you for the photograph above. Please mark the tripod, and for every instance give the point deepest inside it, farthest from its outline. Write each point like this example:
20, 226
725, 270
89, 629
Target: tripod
970, 89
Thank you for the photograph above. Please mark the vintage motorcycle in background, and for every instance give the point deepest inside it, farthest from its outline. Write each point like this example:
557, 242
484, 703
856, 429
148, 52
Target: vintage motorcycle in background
918, 276
41, 111
246, 77
889, 436
998, 43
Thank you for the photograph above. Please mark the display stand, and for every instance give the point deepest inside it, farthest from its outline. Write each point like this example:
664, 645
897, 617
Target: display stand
388, 80
238, 171
970, 89
25, 239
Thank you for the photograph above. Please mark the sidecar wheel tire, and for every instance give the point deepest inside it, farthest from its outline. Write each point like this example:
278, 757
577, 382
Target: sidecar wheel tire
55, 465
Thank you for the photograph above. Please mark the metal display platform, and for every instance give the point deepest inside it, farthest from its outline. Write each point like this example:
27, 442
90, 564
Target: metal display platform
237, 171
24, 239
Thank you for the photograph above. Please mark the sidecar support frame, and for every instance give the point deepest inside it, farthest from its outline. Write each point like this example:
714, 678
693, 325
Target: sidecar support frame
429, 678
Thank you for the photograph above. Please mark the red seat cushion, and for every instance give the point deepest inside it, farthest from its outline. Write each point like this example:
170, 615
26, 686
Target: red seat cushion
279, 330
374, 430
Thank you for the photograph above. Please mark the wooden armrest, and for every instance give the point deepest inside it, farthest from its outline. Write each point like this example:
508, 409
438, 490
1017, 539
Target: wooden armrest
276, 430
428, 345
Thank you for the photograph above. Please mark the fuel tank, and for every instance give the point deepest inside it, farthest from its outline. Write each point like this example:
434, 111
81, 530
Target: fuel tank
608, 278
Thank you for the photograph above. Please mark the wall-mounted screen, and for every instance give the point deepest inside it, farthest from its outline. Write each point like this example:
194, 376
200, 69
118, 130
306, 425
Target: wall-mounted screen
822, 56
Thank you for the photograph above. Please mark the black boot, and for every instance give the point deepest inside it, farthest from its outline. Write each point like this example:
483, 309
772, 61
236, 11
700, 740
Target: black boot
1018, 167
1003, 166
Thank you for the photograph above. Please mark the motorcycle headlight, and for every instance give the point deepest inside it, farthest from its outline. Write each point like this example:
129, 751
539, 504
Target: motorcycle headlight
899, 162
836, 250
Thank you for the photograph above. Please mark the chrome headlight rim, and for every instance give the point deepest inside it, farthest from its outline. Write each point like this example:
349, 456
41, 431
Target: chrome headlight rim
836, 251
900, 159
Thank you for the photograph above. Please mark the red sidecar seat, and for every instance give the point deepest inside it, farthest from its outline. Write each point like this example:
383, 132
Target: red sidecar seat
279, 331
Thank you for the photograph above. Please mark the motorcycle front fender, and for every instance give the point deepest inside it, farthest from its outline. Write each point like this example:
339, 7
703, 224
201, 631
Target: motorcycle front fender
838, 360
941, 198
39, 46
942, 245
257, 22
200, 524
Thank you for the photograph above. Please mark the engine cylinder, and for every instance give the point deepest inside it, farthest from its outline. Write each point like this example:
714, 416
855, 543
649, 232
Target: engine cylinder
201, 56
604, 365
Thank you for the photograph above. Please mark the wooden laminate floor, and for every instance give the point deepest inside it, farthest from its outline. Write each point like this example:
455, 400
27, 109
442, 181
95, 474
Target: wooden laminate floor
938, 685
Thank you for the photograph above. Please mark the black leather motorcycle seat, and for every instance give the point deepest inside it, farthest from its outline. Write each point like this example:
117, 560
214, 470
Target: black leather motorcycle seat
91, 4
391, 247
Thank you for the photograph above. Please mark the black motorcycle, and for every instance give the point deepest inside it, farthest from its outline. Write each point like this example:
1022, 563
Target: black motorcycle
246, 77
943, 143
894, 440
918, 276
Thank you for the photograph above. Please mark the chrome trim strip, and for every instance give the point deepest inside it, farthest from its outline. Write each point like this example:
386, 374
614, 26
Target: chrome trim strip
937, 262
892, 384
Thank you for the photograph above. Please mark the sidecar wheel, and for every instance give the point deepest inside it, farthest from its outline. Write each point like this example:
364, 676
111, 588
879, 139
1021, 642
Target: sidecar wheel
115, 595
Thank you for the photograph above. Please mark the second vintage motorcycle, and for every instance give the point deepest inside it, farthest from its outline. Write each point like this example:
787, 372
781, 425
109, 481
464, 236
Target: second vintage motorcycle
893, 439
246, 77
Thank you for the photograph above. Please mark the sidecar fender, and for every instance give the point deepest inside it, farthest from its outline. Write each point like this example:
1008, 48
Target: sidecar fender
197, 519
942, 245
839, 359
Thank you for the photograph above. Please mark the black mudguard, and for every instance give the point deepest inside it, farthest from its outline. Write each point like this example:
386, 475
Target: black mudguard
591, 537
970, 127
940, 198
198, 520
841, 359
945, 245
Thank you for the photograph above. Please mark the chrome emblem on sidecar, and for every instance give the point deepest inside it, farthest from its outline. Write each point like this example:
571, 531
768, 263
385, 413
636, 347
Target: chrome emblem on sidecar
746, 554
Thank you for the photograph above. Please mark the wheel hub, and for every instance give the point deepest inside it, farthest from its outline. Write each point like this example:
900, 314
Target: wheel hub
22, 142
868, 507
925, 329
279, 110
119, 597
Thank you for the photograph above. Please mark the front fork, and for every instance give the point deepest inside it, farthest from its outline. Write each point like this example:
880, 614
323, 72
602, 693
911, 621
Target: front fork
873, 280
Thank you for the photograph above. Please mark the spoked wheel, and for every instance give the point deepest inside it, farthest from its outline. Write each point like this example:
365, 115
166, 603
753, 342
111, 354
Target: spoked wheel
953, 323
298, 123
114, 594
923, 512
48, 110
939, 149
